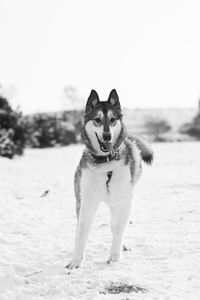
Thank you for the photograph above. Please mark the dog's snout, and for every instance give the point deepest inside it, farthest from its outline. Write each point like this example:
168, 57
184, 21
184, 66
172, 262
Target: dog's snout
106, 136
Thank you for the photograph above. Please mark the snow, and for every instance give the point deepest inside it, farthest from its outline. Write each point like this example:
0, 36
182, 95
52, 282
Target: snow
38, 221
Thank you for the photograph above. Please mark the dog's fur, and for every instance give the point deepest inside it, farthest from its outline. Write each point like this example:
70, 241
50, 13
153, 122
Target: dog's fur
108, 170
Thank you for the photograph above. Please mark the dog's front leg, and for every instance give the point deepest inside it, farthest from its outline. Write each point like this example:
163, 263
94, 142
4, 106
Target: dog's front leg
119, 219
86, 216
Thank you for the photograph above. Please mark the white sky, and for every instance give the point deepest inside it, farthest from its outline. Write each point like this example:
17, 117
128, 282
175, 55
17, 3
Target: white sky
148, 50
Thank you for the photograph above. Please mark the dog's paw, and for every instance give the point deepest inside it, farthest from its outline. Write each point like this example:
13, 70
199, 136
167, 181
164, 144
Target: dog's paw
74, 264
114, 258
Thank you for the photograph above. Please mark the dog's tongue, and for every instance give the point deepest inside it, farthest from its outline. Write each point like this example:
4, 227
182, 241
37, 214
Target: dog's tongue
110, 149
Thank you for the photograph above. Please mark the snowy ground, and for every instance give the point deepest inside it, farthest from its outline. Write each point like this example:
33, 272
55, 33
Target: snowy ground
37, 222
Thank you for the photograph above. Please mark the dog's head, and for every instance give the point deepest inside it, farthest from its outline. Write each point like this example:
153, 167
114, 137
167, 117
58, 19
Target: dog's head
103, 124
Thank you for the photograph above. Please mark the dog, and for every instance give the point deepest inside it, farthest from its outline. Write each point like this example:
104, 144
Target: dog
110, 166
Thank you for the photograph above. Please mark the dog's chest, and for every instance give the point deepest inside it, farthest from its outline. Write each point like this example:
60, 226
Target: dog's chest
107, 184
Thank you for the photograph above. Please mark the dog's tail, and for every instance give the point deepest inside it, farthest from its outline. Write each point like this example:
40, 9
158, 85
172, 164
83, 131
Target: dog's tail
145, 149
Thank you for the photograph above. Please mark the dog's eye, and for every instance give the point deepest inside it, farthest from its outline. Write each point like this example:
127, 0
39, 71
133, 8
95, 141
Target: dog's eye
97, 120
112, 120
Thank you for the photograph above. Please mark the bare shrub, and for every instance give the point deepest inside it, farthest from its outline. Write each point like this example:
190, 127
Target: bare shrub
156, 127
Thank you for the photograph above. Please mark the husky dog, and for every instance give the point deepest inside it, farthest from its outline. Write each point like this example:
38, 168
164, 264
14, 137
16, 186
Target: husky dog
108, 170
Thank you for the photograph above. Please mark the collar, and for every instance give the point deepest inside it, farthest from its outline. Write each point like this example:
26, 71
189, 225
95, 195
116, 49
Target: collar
99, 159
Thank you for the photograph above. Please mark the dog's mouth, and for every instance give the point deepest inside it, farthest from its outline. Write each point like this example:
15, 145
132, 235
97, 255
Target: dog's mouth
105, 146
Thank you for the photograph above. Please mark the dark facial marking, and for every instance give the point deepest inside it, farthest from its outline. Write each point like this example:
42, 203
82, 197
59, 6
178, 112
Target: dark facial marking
106, 127
97, 121
112, 121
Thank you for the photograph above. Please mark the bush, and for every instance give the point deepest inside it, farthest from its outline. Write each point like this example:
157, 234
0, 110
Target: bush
156, 127
12, 130
37, 130
55, 129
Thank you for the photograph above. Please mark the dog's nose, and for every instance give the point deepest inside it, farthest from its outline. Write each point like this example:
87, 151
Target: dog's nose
106, 136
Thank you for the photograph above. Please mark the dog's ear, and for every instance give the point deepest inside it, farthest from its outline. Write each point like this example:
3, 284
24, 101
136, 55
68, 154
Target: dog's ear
113, 99
92, 101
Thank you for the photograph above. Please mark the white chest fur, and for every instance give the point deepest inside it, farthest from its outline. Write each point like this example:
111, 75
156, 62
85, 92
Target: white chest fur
97, 184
